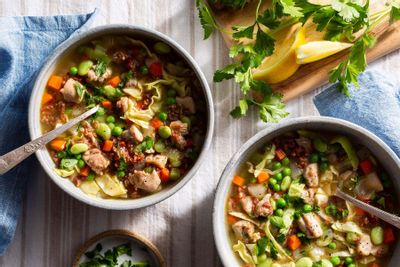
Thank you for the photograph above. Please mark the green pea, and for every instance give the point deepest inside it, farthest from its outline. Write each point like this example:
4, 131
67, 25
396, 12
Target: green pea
286, 183
170, 101
79, 148
144, 70
186, 120
278, 176
286, 161
163, 116
111, 125
276, 187
307, 208
314, 158
73, 71
171, 93
79, 156
348, 261
320, 145
281, 203
84, 67
175, 174
334, 260
159, 146
116, 131
279, 212
286, 171
61, 154
120, 173
326, 263
304, 262
81, 164
351, 265
323, 166
164, 131
161, 48
100, 112
377, 235
91, 176
110, 119
103, 131
276, 165
332, 245
272, 181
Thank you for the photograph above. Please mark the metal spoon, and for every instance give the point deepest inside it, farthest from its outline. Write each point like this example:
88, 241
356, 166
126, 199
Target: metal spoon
383, 215
14, 157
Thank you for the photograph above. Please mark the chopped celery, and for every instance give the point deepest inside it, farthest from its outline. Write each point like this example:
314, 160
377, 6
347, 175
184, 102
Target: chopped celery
348, 147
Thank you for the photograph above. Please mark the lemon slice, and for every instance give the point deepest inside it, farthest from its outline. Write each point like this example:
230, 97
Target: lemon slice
282, 64
317, 50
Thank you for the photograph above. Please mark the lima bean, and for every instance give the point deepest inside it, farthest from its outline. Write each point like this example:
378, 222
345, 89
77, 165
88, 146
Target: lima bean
304, 262
103, 131
84, 67
162, 48
377, 235
79, 148
286, 183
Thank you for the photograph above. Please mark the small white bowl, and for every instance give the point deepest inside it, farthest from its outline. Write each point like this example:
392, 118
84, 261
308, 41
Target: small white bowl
381, 151
40, 85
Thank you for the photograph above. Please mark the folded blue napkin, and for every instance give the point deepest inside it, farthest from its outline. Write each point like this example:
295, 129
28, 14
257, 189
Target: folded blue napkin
25, 43
374, 106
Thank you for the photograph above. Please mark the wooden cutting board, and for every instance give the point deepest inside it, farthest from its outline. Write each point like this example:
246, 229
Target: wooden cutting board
310, 76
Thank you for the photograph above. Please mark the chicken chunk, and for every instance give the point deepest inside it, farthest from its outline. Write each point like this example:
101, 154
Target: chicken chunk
136, 134
93, 77
311, 175
311, 225
187, 103
96, 160
247, 205
123, 104
70, 92
264, 208
245, 231
364, 245
149, 182
179, 129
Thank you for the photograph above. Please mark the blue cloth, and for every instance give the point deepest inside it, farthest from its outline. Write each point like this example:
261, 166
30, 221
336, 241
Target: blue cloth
374, 106
25, 43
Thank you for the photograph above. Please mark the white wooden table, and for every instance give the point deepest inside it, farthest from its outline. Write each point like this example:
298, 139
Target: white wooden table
53, 225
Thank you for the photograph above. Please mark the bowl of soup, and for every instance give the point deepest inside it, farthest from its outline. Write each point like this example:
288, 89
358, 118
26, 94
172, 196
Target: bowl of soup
275, 204
153, 125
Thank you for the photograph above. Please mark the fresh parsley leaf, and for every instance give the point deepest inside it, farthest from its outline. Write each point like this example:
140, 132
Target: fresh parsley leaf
345, 9
226, 73
289, 8
91, 254
265, 44
243, 32
273, 251
231, 3
272, 109
395, 12
235, 50
101, 67
262, 244
206, 19
80, 89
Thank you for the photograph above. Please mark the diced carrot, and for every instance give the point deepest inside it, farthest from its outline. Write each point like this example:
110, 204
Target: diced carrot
114, 81
374, 264
85, 171
107, 146
293, 242
232, 219
140, 104
156, 69
47, 98
55, 82
106, 104
366, 166
280, 154
58, 144
164, 175
238, 180
388, 235
262, 177
156, 123
359, 211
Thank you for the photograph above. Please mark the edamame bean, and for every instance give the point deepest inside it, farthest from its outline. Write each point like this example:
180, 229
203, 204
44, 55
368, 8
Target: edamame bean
323, 166
326, 263
304, 262
377, 235
162, 48
279, 212
84, 67
103, 131
286, 183
79, 148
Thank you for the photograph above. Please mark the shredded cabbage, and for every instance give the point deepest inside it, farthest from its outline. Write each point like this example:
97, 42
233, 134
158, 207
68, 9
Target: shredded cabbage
281, 251
90, 187
245, 217
269, 155
296, 190
241, 249
111, 185
287, 221
347, 227
64, 173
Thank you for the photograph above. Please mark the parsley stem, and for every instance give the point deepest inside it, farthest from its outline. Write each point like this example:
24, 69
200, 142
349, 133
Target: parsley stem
378, 20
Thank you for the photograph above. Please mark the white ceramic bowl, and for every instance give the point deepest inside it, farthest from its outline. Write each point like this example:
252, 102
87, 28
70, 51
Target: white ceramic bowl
40, 85
384, 154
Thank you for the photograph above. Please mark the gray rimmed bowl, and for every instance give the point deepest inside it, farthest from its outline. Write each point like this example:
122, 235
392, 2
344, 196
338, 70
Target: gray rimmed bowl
40, 85
383, 153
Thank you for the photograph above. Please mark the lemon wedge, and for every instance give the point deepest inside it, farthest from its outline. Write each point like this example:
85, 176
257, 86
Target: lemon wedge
317, 50
282, 63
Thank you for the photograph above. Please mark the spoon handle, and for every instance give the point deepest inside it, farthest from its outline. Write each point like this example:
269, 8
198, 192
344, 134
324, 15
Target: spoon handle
386, 216
14, 157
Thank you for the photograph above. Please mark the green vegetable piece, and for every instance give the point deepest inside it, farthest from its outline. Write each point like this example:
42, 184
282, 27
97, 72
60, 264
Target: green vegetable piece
163, 116
377, 235
84, 67
61, 154
272, 181
109, 91
140, 264
171, 93
101, 111
351, 265
187, 120
68, 164
326, 263
348, 148
320, 145
304, 262
286, 183
278, 176
286, 161
323, 166
144, 70
307, 208
91, 176
281, 203
276, 187
164, 131
334, 260
348, 260
276, 165
73, 71
170, 101
103, 131
175, 174
277, 221
148, 169
81, 164
332, 245
116, 131
79, 148
110, 119
162, 48
279, 212
120, 174
175, 157
159, 146
314, 158
352, 238
111, 125
286, 171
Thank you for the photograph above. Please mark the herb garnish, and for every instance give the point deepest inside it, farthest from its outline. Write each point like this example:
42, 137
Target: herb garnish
101, 67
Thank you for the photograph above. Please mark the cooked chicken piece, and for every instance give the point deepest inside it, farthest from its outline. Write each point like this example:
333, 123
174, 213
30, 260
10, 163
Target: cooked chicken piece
364, 245
96, 160
157, 160
308, 196
149, 182
245, 231
311, 175
70, 93
136, 133
311, 225
264, 208
92, 76
179, 129
247, 205
123, 104
380, 251
187, 103
90, 134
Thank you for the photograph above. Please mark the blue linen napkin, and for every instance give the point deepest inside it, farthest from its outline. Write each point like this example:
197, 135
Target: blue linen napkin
374, 106
25, 43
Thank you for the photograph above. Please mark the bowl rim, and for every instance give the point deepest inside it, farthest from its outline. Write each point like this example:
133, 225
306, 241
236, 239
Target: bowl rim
34, 117
219, 230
